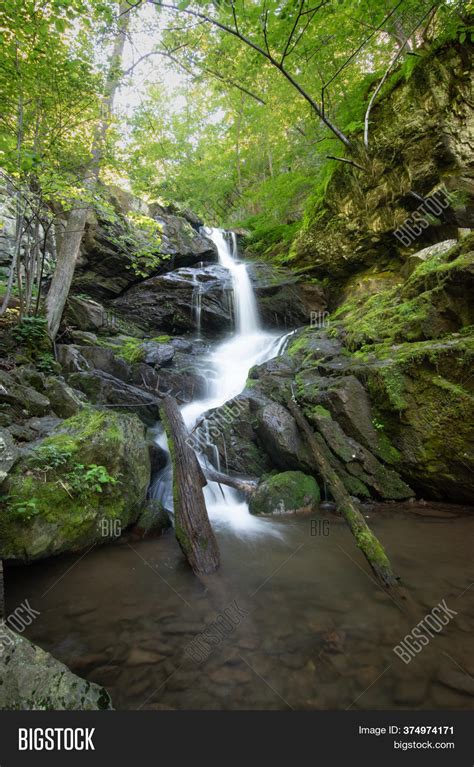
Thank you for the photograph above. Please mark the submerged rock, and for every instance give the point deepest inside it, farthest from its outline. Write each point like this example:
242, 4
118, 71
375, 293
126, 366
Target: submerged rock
290, 492
32, 680
154, 520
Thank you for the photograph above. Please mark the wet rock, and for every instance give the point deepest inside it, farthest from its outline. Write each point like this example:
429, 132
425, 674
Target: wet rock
153, 520
238, 445
158, 457
230, 676
183, 384
165, 302
104, 389
349, 404
281, 439
140, 657
278, 296
34, 680
411, 691
158, 355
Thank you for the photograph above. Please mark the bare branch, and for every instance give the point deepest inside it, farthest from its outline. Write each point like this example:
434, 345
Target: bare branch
220, 25
346, 160
354, 54
292, 32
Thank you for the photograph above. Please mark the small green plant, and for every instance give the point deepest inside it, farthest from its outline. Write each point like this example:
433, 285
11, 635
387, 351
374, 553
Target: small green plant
378, 425
45, 362
50, 457
31, 331
25, 509
83, 480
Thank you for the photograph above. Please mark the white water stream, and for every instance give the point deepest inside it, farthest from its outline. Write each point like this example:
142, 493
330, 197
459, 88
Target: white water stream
229, 363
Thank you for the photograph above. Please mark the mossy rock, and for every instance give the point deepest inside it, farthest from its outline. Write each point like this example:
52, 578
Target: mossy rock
290, 492
32, 680
76, 488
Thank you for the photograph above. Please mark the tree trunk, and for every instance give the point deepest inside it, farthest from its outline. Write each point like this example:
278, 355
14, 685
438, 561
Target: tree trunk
365, 539
71, 238
245, 486
192, 527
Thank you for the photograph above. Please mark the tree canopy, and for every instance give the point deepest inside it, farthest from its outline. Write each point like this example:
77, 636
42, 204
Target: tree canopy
239, 109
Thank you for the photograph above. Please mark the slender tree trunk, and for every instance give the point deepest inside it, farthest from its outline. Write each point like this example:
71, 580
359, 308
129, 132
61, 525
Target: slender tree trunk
365, 539
192, 526
71, 238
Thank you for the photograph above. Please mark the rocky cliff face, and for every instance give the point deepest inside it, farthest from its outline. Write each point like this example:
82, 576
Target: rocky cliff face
421, 141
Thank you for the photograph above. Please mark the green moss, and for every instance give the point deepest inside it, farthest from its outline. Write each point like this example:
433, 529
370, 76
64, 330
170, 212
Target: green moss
162, 339
372, 548
127, 348
288, 492
70, 482
131, 350
319, 410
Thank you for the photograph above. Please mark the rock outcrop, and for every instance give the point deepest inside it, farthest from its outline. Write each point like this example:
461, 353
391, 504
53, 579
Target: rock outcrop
421, 142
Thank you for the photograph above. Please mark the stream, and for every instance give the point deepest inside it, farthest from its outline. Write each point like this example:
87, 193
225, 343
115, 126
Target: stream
315, 631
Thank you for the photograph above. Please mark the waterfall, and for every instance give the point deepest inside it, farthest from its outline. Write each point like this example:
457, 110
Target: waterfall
230, 362
245, 305
196, 305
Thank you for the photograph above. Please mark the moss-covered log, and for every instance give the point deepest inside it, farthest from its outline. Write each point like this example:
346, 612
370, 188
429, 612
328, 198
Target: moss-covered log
365, 539
192, 526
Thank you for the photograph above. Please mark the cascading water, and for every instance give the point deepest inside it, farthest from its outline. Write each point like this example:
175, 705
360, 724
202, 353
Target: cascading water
197, 305
230, 363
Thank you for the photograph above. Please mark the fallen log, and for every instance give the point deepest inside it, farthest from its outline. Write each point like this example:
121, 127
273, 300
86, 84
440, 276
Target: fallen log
192, 527
365, 539
246, 486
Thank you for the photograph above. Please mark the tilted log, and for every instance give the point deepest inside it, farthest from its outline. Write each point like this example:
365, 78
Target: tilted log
192, 527
246, 486
365, 539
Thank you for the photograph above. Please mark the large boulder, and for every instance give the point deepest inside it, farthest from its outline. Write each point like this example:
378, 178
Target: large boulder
32, 680
79, 487
168, 302
281, 440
